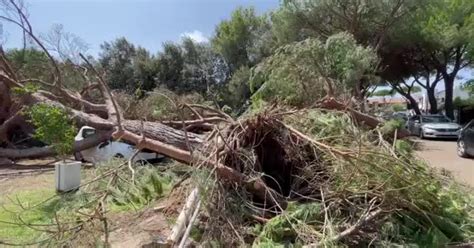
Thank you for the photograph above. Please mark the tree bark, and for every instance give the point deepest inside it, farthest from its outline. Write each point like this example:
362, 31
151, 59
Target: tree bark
448, 99
413, 104
432, 100
156, 131
46, 151
5, 102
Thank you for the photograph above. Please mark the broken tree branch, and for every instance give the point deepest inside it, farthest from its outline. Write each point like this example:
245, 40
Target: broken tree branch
359, 117
183, 217
37, 152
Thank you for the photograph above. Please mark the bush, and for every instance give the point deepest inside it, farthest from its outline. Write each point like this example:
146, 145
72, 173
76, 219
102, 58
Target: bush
53, 127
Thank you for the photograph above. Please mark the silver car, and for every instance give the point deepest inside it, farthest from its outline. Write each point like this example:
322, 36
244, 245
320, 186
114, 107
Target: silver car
433, 126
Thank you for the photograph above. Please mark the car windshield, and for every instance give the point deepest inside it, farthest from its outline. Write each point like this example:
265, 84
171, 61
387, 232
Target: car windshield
435, 119
88, 132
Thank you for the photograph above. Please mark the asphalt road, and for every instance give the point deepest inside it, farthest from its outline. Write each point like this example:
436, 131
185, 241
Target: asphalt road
442, 154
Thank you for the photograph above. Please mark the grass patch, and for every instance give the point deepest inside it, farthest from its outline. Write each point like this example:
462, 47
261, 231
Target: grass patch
43, 207
24, 206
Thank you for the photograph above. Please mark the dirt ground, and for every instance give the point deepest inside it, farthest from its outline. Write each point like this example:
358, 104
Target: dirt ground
442, 154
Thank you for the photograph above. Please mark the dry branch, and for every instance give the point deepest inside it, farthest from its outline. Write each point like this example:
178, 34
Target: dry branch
190, 225
359, 117
183, 218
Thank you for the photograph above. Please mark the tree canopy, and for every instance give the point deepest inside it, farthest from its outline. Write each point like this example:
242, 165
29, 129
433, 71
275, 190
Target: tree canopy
302, 72
242, 40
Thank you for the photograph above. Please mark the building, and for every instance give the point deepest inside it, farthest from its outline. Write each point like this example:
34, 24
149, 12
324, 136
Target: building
385, 102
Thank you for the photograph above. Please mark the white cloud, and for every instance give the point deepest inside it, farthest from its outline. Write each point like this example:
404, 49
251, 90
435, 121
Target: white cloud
195, 35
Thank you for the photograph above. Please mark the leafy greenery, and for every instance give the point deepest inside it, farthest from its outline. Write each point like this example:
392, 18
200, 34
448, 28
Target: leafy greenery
300, 73
238, 90
384, 92
443, 29
128, 67
281, 229
399, 107
437, 213
28, 88
53, 127
241, 40
161, 104
10, 227
469, 87
30, 63
339, 175
147, 187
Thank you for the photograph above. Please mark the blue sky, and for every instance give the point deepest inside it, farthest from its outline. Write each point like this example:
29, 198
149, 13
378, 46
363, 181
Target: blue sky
148, 23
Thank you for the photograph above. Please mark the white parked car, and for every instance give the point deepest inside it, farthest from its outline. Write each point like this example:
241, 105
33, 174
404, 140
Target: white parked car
433, 126
110, 149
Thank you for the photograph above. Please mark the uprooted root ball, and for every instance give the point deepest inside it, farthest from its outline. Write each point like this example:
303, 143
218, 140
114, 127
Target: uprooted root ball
337, 184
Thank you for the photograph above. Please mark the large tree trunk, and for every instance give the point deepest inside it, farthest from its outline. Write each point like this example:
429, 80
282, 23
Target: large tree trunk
5, 102
432, 100
448, 99
156, 131
47, 151
407, 94
414, 104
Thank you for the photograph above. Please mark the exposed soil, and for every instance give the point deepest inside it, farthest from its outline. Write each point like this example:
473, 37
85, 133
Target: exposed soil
26, 167
134, 229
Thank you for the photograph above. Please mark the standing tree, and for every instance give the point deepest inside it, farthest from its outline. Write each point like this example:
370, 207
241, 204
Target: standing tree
127, 67
64, 44
144, 70
116, 60
242, 40
446, 29
301, 72
203, 69
368, 21
30, 62
170, 63
190, 66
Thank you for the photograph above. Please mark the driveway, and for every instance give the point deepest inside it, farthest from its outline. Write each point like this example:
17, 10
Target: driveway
442, 154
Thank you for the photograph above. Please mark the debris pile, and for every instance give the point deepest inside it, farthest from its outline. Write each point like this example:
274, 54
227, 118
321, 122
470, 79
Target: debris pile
330, 182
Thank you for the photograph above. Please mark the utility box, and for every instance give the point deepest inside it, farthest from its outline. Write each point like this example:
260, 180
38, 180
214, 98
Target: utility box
68, 175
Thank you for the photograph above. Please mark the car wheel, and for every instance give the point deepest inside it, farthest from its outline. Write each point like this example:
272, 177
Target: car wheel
118, 155
461, 148
422, 136
78, 157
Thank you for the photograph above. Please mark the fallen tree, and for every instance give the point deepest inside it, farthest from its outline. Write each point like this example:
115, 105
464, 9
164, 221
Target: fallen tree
178, 144
315, 176
343, 185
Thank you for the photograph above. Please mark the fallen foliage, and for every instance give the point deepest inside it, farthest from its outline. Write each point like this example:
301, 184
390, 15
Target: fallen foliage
330, 182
